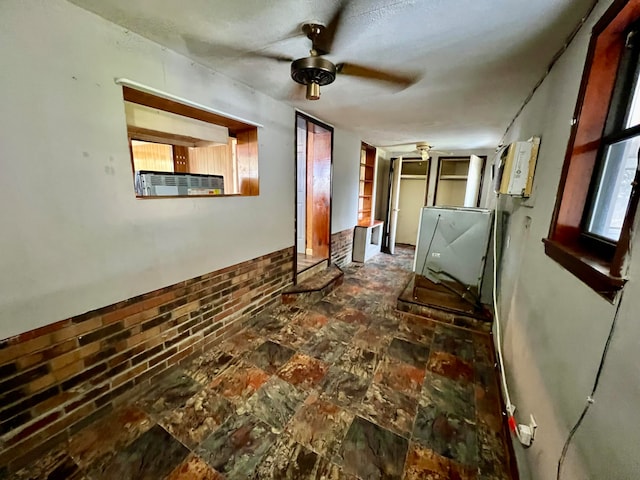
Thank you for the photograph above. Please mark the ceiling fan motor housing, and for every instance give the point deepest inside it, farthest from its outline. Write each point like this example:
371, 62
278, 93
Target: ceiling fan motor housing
313, 69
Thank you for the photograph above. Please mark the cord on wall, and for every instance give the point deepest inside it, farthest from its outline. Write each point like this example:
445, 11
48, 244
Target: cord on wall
590, 399
496, 313
525, 433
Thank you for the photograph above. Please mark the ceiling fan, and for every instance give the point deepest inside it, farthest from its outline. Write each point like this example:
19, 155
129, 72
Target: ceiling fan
316, 71
424, 149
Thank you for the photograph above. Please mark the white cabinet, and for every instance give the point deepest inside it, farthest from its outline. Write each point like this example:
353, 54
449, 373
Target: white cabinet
367, 240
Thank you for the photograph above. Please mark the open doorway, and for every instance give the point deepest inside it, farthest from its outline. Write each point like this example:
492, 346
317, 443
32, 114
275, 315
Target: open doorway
414, 179
314, 158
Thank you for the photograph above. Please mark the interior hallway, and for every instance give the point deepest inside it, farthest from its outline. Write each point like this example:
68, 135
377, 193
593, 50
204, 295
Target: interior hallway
345, 388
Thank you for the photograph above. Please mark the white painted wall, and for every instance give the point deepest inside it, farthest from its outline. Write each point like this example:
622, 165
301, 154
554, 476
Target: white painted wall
346, 175
555, 327
73, 236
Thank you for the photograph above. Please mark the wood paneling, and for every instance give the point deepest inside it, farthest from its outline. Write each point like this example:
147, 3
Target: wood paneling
180, 159
216, 160
152, 156
247, 159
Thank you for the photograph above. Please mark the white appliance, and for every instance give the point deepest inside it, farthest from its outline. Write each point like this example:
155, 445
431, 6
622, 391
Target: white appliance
452, 245
515, 168
159, 184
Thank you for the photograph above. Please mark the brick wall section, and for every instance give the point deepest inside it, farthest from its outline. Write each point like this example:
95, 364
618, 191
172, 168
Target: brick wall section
58, 378
342, 247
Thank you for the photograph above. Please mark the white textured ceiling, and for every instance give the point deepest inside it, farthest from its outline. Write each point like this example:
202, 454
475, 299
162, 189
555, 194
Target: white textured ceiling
477, 59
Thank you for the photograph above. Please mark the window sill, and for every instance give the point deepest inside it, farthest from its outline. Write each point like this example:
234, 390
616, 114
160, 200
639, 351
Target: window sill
589, 269
154, 197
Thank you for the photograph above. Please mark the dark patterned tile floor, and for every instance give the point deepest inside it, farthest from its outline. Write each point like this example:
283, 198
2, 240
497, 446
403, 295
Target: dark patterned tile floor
346, 388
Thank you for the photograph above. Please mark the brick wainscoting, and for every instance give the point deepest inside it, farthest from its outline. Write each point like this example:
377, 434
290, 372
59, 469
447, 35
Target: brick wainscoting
59, 378
342, 247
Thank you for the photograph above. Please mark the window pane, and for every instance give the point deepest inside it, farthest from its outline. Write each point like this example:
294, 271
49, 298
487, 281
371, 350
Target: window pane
614, 189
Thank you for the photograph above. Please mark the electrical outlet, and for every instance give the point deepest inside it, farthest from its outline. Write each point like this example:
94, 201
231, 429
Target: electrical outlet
527, 433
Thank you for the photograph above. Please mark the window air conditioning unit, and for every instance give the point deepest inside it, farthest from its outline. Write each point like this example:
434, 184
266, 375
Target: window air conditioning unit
515, 168
159, 184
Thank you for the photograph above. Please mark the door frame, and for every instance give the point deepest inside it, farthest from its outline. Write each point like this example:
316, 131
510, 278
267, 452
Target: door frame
394, 199
320, 123
387, 221
427, 177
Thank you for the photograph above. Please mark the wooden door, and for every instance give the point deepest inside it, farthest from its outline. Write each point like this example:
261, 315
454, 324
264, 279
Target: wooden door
318, 224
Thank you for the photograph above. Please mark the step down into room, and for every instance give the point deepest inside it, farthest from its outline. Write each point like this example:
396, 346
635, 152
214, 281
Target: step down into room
312, 270
315, 287
425, 298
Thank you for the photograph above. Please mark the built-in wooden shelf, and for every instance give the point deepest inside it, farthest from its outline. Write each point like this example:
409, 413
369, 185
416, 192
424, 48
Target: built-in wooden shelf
371, 223
453, 174
366, 193
453, 177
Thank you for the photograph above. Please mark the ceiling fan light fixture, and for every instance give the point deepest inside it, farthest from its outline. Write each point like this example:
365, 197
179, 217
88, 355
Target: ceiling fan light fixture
424, 148
313, 91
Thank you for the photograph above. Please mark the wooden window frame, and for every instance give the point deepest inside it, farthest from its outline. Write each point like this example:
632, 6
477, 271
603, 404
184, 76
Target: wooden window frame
598, 264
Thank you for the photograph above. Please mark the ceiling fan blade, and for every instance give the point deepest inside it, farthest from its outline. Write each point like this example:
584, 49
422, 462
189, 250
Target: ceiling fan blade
270, 56
323, 43
374, 74
203, 48
402, 147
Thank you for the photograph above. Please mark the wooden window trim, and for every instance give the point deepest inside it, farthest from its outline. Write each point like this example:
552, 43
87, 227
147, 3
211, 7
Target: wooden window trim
600, 269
